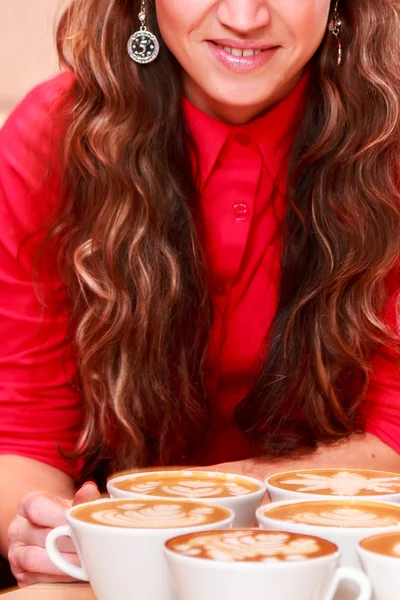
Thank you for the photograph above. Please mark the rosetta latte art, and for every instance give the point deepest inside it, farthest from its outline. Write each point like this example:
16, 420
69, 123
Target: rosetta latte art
156, 516
249, 547
344, 517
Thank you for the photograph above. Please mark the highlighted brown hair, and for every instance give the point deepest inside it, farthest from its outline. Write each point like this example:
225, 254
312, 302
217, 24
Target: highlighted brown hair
137, 278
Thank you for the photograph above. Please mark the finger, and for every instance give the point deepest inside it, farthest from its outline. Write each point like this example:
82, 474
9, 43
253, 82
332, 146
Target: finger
87, 493
22, 532
26, 579
44, 509
32, 559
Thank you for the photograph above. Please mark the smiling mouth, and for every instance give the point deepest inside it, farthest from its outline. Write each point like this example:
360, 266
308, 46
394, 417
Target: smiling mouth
241, 52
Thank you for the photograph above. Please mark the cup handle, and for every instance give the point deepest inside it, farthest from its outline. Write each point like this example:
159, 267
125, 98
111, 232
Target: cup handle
351, 574
56, 556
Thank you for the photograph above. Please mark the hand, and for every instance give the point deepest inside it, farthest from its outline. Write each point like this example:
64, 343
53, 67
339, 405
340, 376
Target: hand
38, 513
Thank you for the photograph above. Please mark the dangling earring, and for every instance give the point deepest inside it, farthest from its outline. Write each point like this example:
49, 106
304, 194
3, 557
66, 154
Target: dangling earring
143, 46
334, 28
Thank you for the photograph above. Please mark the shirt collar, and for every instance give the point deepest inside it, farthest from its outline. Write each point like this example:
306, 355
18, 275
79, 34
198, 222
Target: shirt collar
274, 132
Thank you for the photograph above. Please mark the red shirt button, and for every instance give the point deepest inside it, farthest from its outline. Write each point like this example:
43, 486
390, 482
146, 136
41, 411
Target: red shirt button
241, 212
243, 139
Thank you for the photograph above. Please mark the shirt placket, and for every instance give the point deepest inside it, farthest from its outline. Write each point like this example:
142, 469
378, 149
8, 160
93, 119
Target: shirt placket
228, 208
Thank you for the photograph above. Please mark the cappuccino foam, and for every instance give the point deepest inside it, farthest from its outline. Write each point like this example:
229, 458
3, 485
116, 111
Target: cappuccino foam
187, 484
387, 544
337, 513
338, 482
149, 514
251, 546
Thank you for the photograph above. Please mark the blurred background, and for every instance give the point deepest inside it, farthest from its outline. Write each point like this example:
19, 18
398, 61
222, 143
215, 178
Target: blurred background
27, 54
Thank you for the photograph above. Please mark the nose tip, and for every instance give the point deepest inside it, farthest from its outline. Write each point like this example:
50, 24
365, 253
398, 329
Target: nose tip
244, 16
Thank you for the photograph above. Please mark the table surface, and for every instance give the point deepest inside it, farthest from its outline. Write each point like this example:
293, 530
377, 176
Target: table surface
55, 591
83, 591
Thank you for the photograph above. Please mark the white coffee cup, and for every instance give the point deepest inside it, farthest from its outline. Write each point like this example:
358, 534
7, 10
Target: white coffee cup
343, 522
239, 493
258, 564
304, 484
380, 558
120, 543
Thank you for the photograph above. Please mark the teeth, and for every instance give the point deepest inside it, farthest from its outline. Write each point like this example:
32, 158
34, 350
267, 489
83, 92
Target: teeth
238, 52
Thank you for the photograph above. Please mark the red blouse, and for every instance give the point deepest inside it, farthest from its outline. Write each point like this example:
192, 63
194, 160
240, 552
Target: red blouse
242, 170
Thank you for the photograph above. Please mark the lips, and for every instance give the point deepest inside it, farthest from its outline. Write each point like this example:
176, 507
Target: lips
241, 56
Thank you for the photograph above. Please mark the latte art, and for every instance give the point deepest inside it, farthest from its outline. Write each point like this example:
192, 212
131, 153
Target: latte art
150, 514
396, 549
162, 515
251, 546
187, 484
339, 482
190, 489
338, 514
387, 544
346, 517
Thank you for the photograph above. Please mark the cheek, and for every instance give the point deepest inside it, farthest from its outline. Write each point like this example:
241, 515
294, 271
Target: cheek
176, 19
307, 21
168, 16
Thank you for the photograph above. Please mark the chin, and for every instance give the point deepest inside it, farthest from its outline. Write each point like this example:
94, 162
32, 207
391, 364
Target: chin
242, 99
242, 92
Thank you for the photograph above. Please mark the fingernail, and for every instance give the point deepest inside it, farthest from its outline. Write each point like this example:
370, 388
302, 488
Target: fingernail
90, 482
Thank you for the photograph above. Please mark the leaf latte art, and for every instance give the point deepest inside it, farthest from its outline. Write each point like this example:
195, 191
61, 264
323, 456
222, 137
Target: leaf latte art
339, 482
187, 484
251, 546
191, 489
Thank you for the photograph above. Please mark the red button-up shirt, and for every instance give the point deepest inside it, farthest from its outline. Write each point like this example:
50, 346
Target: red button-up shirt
242, 173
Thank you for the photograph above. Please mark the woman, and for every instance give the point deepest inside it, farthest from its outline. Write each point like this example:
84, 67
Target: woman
199, 250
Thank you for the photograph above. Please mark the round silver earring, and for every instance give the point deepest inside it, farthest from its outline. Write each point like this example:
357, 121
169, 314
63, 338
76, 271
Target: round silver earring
334, 28
143, 46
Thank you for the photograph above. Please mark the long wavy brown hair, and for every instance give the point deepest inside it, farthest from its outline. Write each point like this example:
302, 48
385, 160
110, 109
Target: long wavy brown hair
134, 264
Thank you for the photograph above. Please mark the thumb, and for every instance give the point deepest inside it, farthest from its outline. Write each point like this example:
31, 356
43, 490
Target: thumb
87, 493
